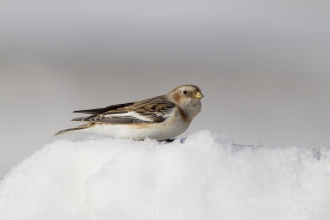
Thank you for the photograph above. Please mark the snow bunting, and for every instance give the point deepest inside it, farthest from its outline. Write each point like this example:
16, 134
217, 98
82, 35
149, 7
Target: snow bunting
159, 118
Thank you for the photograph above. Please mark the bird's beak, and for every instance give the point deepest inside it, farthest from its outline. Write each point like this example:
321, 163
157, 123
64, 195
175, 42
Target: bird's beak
199, 95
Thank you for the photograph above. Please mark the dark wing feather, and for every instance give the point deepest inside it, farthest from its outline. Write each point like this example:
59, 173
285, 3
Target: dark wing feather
102, 110
155, 110
117, 120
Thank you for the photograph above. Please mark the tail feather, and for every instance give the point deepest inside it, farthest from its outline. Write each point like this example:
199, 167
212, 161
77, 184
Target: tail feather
83, 118
74, 129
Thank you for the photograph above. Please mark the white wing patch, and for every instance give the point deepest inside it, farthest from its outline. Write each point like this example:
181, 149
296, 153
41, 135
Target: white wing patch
130, 114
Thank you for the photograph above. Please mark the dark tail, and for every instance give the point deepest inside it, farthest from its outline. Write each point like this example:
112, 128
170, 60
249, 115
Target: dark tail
74, 129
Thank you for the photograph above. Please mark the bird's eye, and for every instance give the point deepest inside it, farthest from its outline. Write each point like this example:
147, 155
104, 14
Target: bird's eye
184, 92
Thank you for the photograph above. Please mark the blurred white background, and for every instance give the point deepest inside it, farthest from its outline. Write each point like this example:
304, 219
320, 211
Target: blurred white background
263, 67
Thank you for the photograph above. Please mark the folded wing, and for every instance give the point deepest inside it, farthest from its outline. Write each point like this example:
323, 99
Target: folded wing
155, 110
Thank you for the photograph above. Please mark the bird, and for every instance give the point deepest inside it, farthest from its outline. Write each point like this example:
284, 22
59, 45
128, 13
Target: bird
161, 118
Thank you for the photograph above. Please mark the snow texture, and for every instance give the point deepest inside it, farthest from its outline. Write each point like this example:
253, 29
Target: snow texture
206, 177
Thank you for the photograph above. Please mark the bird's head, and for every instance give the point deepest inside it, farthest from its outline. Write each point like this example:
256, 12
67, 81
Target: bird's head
188, 98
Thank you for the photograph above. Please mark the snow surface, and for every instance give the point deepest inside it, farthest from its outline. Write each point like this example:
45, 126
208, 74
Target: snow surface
206, 177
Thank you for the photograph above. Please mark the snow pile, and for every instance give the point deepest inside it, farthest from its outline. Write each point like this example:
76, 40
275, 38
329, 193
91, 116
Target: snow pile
206, 177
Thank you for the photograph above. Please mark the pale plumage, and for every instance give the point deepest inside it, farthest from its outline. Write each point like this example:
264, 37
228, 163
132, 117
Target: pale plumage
159, 118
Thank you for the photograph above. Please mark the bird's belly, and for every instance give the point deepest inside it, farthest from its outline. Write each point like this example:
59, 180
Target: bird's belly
140, 131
